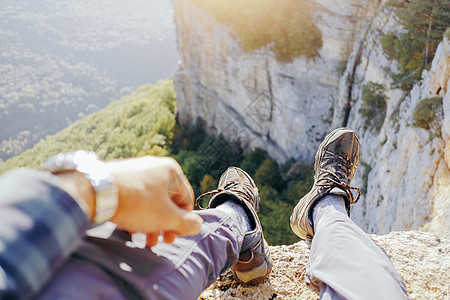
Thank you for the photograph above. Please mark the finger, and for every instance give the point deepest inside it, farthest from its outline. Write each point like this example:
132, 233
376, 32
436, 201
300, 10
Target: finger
169, 236
152, 239
188, 223
180, 191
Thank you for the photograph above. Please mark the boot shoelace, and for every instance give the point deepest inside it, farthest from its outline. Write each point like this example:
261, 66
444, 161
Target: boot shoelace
335, 181
230, 186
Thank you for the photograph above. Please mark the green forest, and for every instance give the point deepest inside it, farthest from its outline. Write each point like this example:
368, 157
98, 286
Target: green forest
145, 123
139, 124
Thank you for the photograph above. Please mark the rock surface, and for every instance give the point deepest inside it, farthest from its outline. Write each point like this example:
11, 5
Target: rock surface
422, 259
287, 108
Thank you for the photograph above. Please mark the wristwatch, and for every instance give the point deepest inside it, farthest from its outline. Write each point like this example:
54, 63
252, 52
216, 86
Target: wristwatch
89, 165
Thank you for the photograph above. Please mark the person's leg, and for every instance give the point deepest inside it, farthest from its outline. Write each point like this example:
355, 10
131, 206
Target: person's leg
197, 262
345, 263
234, 238
181, 270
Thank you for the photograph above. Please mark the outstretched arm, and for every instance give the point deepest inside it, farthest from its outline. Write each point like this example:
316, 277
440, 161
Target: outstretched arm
43, 217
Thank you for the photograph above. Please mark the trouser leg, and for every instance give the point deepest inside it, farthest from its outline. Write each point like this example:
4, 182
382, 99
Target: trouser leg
198, 261
181, 270
346, 264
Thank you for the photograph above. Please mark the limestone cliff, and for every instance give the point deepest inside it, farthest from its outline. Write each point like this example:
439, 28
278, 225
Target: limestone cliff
287, 108
408, 179
284, 108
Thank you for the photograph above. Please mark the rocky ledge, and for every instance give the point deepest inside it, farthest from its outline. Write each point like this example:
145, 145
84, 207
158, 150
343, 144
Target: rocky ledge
422, 259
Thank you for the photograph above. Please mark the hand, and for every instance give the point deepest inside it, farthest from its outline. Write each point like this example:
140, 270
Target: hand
154, 197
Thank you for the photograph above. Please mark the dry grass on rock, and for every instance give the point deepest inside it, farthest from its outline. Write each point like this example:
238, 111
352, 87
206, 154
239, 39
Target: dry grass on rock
422, 259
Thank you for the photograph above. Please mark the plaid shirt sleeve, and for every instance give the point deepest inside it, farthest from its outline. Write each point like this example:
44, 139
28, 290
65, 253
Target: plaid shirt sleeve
40, 226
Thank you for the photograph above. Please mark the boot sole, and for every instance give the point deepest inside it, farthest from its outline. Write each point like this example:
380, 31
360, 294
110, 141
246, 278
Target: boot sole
259, 273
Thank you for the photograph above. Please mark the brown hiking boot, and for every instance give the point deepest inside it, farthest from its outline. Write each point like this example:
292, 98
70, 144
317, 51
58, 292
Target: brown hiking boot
336, 162
254, 261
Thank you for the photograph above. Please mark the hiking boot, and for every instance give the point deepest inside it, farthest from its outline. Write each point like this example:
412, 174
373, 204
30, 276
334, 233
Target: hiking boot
335, 166
254, 261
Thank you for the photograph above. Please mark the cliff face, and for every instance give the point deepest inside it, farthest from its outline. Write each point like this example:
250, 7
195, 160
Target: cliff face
287, 108
284, 108
408, 179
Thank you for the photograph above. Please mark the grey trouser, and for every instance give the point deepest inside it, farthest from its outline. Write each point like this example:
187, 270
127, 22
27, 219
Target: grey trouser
112, 269
346, 264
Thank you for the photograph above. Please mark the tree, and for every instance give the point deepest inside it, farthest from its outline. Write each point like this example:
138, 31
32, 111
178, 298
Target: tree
253, 160
274, 215
425, 22
194, 170
429, 113
269, 174
374, 105
298, 190
207, 184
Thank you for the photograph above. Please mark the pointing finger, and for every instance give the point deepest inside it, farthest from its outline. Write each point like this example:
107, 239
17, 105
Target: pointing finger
180, 192
169, 236
189, 223
152, 239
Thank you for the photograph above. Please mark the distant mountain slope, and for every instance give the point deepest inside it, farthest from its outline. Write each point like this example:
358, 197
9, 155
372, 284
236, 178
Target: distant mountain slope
139, 124
62, 60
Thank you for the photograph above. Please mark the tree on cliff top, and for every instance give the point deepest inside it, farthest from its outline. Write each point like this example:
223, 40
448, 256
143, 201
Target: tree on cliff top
287, 24
425, 22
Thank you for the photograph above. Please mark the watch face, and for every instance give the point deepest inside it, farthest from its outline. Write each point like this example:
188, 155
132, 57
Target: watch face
88, 164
